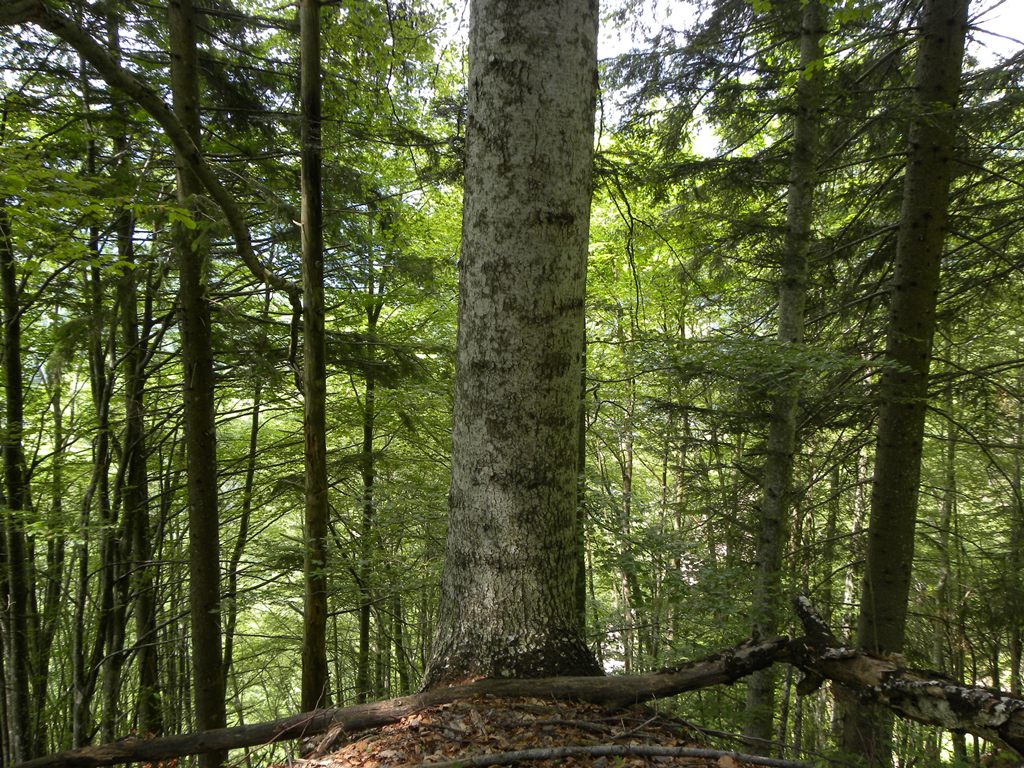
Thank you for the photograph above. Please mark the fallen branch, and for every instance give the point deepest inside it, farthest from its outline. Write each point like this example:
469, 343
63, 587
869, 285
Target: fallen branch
927, 697
725, 667
608, 750
923, 696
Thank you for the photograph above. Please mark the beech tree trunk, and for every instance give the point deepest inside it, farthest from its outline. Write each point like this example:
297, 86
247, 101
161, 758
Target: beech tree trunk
904, 383
315, 690
198, 385
508, 588
766, 604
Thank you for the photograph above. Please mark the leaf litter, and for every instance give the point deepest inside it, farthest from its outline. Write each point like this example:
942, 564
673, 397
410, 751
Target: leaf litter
532, 731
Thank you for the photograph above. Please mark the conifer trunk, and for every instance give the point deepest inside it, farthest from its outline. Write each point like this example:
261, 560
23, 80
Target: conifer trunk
904, 383
315, 690
17, 671
767, 605
368, 470
507, 592
198, 385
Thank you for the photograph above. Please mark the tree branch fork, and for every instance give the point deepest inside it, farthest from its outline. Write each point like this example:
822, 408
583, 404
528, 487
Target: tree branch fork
919, 695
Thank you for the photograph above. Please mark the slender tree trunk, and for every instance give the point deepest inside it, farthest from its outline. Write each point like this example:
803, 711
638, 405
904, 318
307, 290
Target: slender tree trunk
1016, 544
940, 625
18, 671
507, 593
244, 518
199, 410
369, 471
315, 687
904, 384
55, 557
401, 649
767, 604
135, 493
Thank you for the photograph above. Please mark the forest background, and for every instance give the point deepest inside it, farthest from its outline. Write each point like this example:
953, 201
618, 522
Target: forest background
683, 363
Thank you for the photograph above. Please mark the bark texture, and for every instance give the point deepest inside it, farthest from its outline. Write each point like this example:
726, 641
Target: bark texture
767, 605
925, 696
507, 593
315, 692
198, 385
904, 383
18, 597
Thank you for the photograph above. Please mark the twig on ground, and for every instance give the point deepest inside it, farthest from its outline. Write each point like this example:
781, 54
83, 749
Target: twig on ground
642, 750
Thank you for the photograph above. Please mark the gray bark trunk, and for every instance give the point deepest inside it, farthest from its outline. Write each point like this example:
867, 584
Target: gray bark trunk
904, 383
766, 605
507, 593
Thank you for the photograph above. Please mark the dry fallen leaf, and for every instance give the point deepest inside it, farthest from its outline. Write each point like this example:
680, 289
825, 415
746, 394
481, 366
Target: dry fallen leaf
725, 761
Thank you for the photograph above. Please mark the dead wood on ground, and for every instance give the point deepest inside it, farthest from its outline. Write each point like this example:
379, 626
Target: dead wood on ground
725, 667
926, 697
921, 695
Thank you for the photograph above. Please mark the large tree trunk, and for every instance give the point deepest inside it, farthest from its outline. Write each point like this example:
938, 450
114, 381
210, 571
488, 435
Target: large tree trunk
198, 385
315, 691
507, 593
766, 604
18, 669
904, 384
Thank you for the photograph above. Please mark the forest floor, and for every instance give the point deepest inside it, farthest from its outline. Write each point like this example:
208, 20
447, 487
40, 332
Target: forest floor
489, 731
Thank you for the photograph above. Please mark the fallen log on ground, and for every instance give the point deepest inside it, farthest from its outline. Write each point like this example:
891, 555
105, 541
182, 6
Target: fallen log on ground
725, 667
923, 696
927, 697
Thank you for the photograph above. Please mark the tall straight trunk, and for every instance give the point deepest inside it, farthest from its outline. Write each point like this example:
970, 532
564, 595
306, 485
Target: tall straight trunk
135, 493
630, 596
315, 688
904, 385
766, 599
507, 591
86, 663
111, 540
55, 556
136, 490
401, 649
18, 670
244, 520
369, 471
231, 593
1016, 543
5, 725
199, 409
943, 610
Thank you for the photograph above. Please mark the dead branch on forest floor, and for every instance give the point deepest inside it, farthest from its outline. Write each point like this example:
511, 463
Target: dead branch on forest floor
921, 695
725, 667
613, 750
